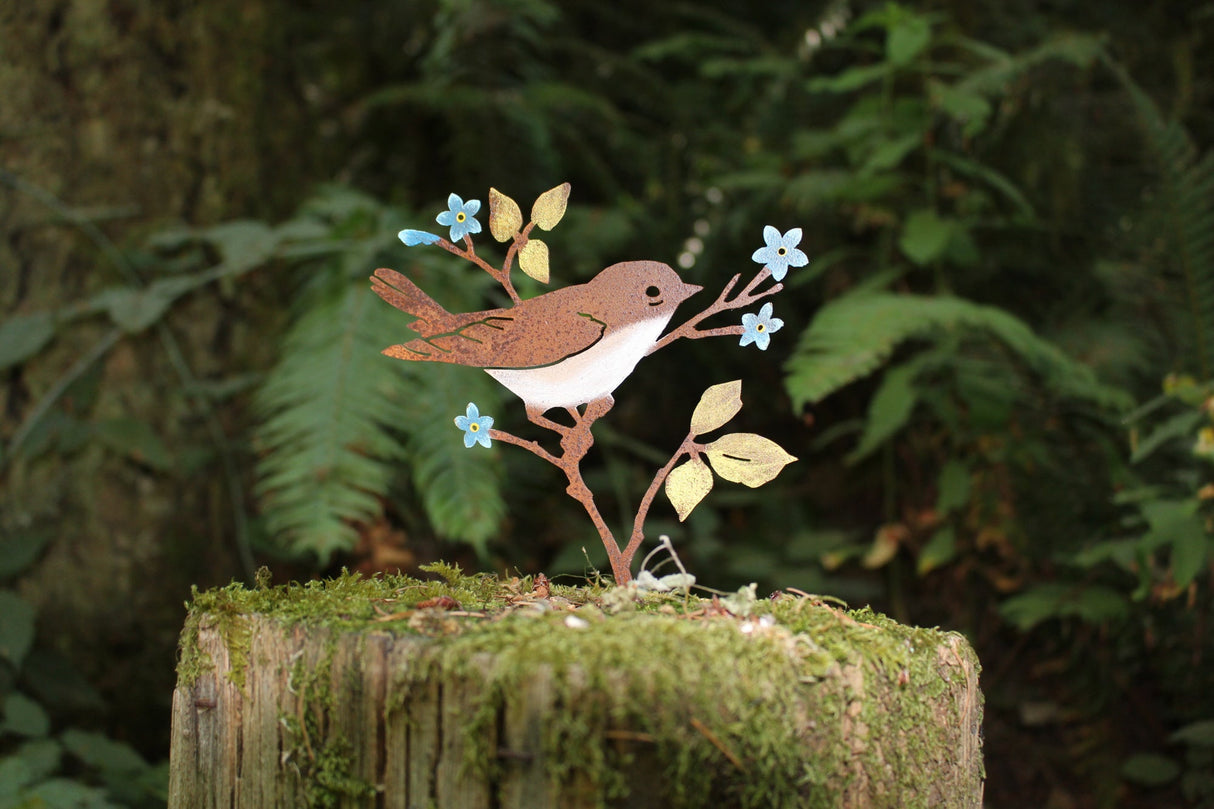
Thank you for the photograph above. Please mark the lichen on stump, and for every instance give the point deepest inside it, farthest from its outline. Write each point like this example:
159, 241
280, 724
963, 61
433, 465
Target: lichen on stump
474, 692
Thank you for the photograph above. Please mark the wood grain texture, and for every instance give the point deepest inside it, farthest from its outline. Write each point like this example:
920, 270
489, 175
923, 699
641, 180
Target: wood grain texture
295, 716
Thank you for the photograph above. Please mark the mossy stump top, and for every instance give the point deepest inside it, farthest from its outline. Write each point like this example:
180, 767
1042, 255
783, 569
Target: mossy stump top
473, 692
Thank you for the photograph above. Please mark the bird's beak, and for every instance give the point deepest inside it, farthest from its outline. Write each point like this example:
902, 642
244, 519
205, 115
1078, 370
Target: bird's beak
688, 290
675, 295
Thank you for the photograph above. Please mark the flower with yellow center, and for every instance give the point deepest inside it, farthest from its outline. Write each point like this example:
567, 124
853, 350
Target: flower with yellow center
758, 328
460, 216
475, 426
780, 252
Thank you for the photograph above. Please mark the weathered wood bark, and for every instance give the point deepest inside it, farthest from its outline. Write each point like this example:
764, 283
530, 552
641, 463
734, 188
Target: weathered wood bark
540, 711
130, 115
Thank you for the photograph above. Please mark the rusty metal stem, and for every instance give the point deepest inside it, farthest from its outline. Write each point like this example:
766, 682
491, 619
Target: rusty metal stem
575, 443
578, 490
531, 446
688, 447
721, 304
515, 246
501, 276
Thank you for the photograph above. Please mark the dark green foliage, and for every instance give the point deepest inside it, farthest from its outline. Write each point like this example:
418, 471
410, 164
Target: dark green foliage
1182, 204
855, 335
328, 411
904, 155
340, 422
45, 761
463, 493
1009, 209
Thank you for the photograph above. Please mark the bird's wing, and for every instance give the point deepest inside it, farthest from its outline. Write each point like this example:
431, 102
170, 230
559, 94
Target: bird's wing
467, 344
499, 339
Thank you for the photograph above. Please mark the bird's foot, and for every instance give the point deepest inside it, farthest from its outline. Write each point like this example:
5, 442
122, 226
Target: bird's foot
596, 410
537, 417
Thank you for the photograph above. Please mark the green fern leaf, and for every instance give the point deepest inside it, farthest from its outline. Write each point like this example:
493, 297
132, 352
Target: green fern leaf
342, 424
1078, 49
461, 488
889, 410
855, 335
328, 408
1185, 197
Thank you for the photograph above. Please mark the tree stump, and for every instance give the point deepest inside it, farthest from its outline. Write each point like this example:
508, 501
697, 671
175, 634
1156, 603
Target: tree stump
475, 693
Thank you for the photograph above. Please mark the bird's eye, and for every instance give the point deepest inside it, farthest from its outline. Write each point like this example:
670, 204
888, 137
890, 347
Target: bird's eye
652, 292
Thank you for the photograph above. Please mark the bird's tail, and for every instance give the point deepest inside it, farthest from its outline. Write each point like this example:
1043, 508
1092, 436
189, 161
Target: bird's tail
408, 297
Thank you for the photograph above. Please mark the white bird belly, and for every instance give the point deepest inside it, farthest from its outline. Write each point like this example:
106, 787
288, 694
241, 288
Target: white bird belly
584, 377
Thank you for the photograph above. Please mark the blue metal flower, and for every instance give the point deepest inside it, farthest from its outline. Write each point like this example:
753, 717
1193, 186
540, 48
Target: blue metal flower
781, 251
412, 238
475, 426
757, 329
461, 218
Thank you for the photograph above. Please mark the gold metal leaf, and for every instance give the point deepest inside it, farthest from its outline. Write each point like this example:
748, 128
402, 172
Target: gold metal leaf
533, 259
717, 406
687, 484
550, 206
505, 218
747, 458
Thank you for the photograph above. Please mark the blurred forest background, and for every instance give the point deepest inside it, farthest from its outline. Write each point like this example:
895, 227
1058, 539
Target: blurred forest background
996, 369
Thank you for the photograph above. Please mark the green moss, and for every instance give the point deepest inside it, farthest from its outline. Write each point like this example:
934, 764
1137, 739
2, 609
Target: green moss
349, 601
191, 660
226, 615
322, 758
720, 702
704, 670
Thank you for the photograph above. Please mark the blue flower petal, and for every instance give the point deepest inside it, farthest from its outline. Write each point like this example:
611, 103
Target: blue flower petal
412, 238
758, 328
762, 256
780, 251
475, 426
460, 216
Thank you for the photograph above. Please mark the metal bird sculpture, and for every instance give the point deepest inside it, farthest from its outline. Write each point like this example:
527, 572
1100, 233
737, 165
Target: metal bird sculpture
564, 348
572, 347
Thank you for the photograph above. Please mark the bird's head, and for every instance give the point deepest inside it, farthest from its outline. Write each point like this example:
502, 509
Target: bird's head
640, 290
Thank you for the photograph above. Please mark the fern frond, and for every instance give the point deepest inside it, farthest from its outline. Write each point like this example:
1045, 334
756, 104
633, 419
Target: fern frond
855, 335
460, 488
327, 409
1078, 49
1185, 197
891, 406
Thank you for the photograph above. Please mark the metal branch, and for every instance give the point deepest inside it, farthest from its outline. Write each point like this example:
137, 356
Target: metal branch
688, 447
519, 240
576, 441
723, 303
531, 446
501, 276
